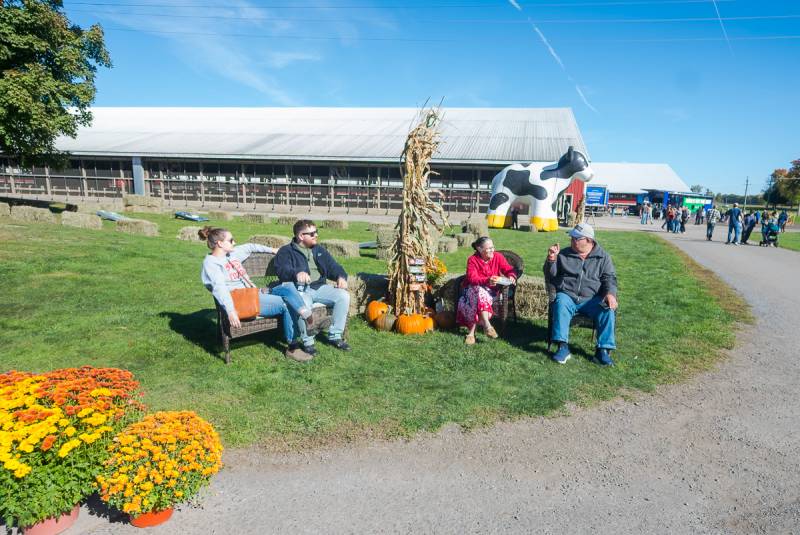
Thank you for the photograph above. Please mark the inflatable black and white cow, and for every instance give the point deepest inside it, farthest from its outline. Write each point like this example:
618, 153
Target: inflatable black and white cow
536, 184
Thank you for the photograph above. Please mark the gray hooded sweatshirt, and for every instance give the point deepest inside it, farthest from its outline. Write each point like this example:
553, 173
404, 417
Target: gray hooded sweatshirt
582, 279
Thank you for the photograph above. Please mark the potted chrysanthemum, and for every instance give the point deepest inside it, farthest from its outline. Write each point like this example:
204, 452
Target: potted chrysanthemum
157, 463
54, 431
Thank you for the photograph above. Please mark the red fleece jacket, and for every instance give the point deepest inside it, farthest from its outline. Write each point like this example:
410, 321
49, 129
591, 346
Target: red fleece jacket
479, 271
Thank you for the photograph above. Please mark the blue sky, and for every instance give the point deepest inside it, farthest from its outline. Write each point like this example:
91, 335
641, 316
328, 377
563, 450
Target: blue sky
707, 86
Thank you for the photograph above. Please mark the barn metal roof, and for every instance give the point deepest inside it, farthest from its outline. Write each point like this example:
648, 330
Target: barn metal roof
637, 177
469, 135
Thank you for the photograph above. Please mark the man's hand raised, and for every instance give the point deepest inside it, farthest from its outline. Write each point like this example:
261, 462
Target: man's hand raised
552, 252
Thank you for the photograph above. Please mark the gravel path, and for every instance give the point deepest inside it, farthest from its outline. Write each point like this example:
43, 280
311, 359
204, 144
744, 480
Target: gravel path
718, 454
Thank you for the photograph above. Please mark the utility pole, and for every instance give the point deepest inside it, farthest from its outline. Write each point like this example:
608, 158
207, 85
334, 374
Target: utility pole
746, 185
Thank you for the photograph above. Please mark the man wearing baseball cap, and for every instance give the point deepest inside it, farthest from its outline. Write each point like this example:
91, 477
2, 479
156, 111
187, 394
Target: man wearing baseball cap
586, 283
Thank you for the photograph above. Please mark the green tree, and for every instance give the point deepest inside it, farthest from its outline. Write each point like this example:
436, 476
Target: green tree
47, 72
697, 188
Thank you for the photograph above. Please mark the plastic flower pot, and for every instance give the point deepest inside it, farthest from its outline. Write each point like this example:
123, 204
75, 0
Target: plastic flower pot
51, 526
153, 518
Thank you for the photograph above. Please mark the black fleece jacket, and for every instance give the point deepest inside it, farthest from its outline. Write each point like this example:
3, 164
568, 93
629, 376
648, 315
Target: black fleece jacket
290, 261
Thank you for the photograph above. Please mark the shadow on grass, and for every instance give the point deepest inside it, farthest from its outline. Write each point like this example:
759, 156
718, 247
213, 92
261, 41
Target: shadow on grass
200, 328
532, 338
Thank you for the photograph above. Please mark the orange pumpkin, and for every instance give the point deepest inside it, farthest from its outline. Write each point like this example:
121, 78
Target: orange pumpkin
376, 309
385, 322
410, 324
429, 324
446, 319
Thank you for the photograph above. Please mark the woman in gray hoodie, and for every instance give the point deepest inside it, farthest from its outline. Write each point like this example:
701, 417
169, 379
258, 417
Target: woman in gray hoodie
223, 271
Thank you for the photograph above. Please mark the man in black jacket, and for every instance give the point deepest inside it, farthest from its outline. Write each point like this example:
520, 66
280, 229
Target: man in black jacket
309, 266
586, 283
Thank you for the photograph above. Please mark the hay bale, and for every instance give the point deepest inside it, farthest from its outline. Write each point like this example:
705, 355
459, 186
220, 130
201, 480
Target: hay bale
256, 218
527, 228
190, 234
342, 248
76, 219
447, 290
446, 244
5, 209
29, 214
286, 220
336, 224
220, 215
386, 237
476, 225
137, 226
270, 240
531, 297
464, 239
366, 287
142, 203
383, 253
375, 227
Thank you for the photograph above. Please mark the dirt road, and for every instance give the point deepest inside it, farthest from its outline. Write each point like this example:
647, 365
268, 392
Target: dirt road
718, 454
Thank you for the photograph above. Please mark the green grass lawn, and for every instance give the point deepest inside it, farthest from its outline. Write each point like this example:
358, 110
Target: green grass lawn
104, 298
790, 240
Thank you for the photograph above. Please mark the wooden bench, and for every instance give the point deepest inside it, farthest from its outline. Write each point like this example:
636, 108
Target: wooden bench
260, 267
504, 306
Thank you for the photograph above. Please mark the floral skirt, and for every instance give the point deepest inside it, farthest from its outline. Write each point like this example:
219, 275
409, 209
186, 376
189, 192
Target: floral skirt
475, 299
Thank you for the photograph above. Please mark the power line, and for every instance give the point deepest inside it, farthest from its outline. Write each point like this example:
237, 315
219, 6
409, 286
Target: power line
465, 40
406, 6
464, 21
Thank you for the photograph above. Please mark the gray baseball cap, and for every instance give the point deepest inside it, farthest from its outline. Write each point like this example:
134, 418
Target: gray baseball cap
582, 230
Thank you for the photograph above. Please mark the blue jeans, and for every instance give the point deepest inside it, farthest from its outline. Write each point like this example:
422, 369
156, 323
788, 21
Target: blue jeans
328, 296
273, 305
645, 218
291, 297
736, 230
564, 308
710, 230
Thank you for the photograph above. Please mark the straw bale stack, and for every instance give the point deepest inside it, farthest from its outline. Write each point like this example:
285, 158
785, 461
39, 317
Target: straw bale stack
464, 239
190, 234
5, 209
142, 203
256, 218
76, 219
137, 226
445, 244
30, 214
336, 224
286, 220
270, 240
220, 215
366, 287
342, 248
531, 297
476, 225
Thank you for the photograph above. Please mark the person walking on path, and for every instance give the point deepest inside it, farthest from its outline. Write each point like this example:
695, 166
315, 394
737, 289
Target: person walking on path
684, 219
711, 221
782, 219
647, 213
749, 225
734, 224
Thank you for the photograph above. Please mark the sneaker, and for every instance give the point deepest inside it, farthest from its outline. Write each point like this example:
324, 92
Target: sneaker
562, 355
297, 354
311, 350
602, 356
340, 344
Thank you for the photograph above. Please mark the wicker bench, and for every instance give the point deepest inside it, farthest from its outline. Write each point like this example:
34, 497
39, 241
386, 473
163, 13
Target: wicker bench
261, 269
504, 304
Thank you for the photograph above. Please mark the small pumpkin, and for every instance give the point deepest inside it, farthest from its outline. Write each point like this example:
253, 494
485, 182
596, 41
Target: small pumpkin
410, 324
385, 322
376, 309
445, 320
429, 323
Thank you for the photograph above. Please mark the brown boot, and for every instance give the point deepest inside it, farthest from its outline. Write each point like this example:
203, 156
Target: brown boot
297, 354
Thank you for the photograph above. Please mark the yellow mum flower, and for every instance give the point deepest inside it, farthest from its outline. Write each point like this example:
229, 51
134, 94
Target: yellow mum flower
68, 447
85, 412
22, 471
69, 431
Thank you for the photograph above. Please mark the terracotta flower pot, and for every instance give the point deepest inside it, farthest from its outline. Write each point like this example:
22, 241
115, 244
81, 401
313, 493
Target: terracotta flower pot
153, 518
51, 526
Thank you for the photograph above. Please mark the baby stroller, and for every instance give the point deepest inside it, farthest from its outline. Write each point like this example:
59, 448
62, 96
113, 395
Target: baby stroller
771, 236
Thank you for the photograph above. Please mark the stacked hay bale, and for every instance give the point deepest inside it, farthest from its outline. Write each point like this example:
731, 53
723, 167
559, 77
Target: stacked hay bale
220, 215
447, 289
366, 287
375, 227
270, 240
476, 225
335, 224
190, 234
446, 244
5, 209
531, 297
256, 218
76, 219
137, 226
29, 214
385, 238
142, 203
342, 248
465, 239
286, 220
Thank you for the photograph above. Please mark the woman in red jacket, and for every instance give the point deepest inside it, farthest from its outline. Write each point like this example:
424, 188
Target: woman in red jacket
485, 270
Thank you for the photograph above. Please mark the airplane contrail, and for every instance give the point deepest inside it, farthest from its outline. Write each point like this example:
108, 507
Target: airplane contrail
549, 47
721, 25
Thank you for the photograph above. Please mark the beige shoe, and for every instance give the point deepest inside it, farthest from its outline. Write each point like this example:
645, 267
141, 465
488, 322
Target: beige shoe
490, 332
297, 354
469, 340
